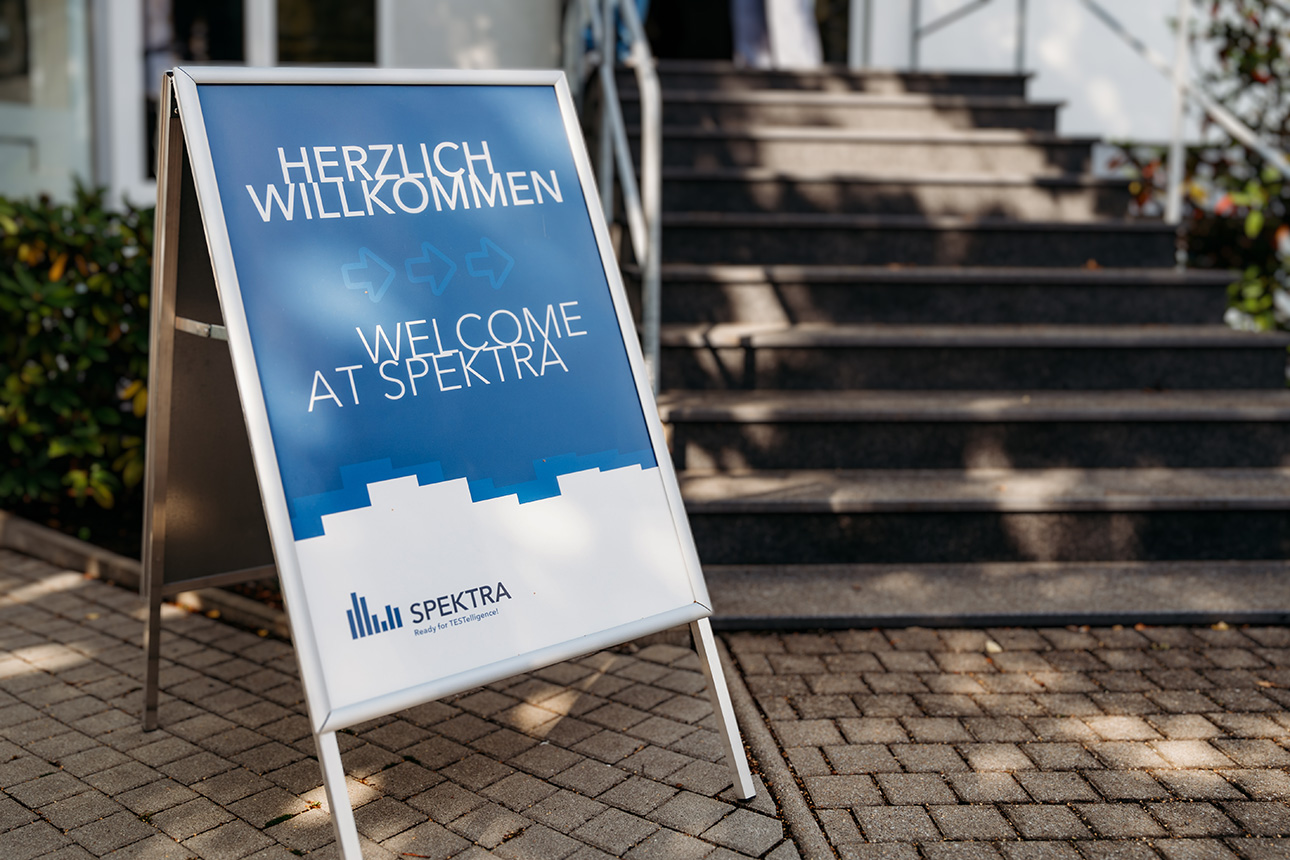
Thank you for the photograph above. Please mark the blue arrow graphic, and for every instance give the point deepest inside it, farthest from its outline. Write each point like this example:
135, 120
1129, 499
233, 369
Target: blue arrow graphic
366, 257
488, 248
430, 257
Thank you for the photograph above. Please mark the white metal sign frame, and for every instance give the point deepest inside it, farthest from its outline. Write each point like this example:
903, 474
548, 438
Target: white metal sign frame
325, 718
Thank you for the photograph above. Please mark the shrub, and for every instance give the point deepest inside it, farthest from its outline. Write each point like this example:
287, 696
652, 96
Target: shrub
74, 332
1237, 209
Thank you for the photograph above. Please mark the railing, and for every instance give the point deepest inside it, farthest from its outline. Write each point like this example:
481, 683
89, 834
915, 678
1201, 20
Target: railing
609, 22
859, 52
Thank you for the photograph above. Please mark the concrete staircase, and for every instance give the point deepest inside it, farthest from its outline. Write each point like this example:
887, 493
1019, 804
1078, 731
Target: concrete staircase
918, 367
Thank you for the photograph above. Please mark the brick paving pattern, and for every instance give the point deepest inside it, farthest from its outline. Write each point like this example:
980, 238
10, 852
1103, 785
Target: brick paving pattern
1012, 743
612, 755
1142, 742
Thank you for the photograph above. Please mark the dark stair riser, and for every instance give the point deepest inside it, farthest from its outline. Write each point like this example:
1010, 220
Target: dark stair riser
843, 244
674, 77
931, 537
869, 444
972, 368
911, 117
905, 303
841, 153
1044, 201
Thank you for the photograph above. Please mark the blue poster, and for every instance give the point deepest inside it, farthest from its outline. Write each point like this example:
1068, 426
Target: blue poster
455, 419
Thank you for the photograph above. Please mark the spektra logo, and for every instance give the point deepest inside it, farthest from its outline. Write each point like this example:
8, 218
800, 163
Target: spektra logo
363, 623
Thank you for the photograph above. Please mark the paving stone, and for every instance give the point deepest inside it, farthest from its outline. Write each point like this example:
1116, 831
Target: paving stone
839, 826
1193, 819
1119, 820
616, 831
1111, 849
851, 759
896, 824
1200, 784
971, 822
191, 818
960, 851
1261, 848
747, 832
987, 787
589, 777
1120, 785
1056, 787
690, 813
1192, 754
1267, 818
230, 841
1045, 822
1128, 755
878, 730
1194, 849
1259, 753
82, 809
31, 840
915, 788
878, 851
840, 792
1038, 850
996, 757
446, 802
565, 811
638, 795
489, 825
110, 833
1262, 784
50, 786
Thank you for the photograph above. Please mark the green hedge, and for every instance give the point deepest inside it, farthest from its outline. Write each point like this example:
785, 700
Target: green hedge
74, 332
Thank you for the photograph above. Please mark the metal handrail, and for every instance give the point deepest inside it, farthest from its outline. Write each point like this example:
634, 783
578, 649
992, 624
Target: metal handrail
642, 202
1183, 87
858, 54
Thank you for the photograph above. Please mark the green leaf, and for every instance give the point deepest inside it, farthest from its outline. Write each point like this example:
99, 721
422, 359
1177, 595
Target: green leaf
1254, 223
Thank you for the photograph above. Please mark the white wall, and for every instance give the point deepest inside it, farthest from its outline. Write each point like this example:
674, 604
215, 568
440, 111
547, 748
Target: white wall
1109, 90
469, 34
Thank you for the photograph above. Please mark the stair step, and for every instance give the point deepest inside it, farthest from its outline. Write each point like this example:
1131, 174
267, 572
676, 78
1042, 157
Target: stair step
1070, 197
723, 430
1017, 593
692, 74
1007, 151
771, 238
954, 515
810, 355
974, 406
810, 491
937, 112
716, 293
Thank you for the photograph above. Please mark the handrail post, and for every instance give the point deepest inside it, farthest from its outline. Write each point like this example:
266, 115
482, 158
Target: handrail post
608, 45
1021, 36
859, 30
915, 16
1174, 191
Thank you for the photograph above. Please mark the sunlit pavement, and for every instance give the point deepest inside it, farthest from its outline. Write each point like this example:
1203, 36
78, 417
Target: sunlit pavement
1067, 743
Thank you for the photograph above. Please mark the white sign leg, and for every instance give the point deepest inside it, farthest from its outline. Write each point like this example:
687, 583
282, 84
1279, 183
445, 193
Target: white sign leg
701, 630
342, 814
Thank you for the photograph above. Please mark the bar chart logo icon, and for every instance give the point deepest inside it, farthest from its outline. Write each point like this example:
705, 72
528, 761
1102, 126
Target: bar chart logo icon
363, 623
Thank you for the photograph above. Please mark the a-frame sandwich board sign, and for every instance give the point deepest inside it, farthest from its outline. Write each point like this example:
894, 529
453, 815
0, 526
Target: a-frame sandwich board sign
450, 428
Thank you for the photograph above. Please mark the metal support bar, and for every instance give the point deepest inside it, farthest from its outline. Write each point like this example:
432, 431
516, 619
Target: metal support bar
342, 814
859, 34
1021, 36
950, 17
915, 15
214, 331
1233, 126
165, 265
710, 659
1182, 45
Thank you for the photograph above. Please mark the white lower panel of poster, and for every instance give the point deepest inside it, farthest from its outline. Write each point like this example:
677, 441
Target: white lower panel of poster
427, 583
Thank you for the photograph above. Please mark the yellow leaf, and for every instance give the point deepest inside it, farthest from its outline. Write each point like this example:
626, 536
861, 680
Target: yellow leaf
59, 266
131, 389
141, 403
